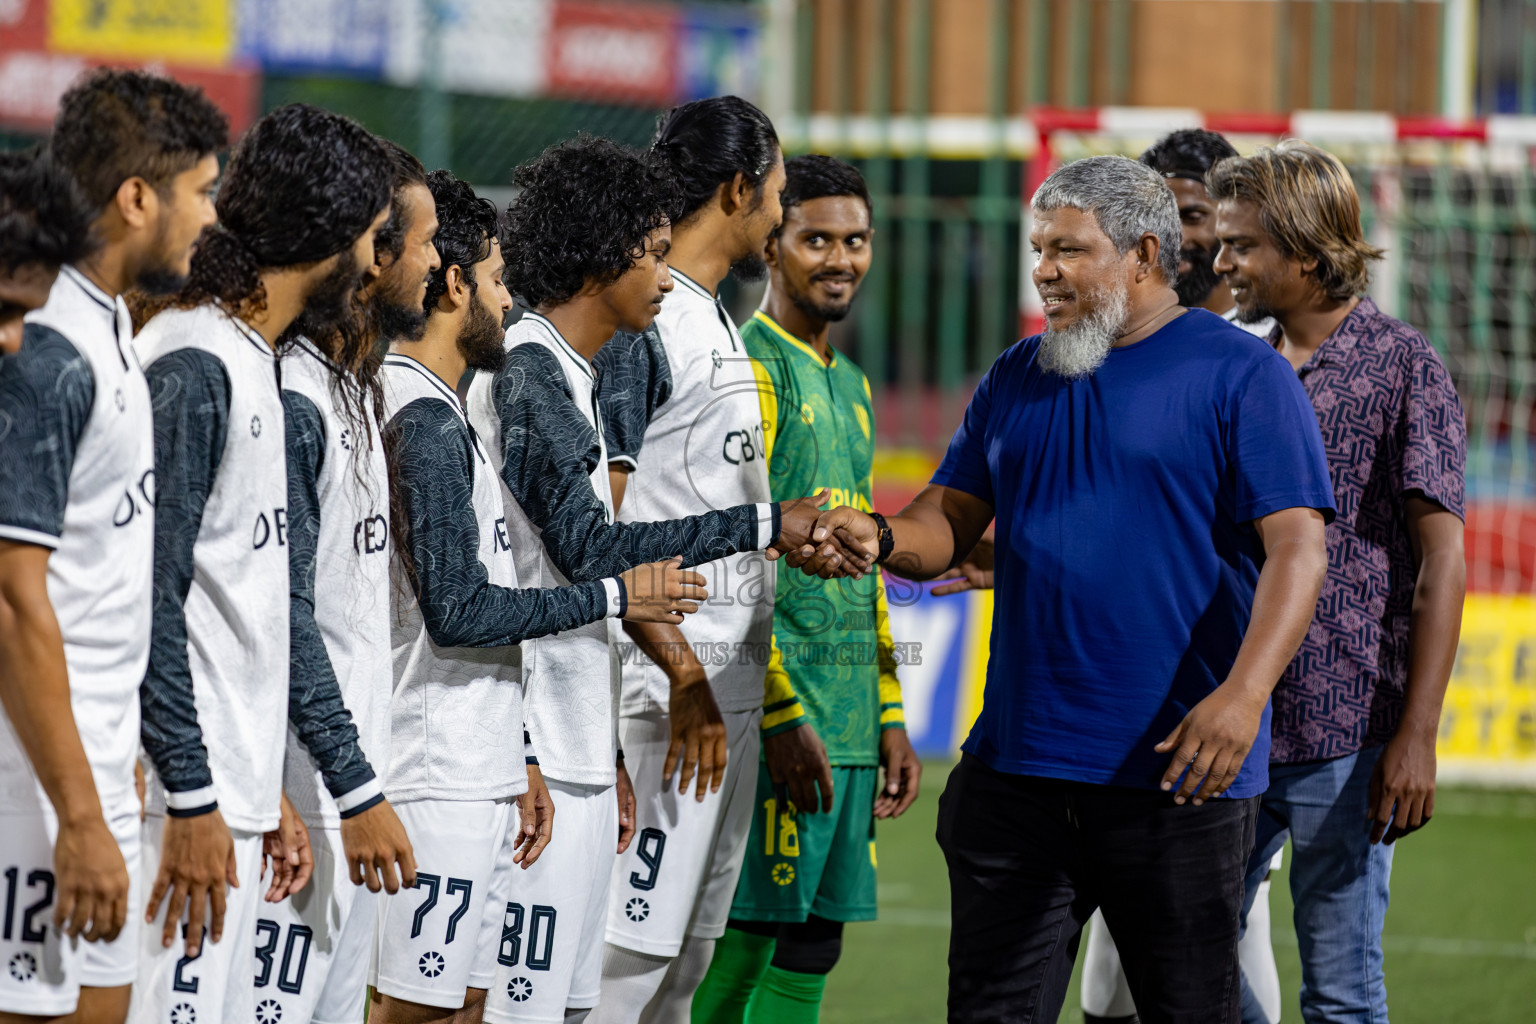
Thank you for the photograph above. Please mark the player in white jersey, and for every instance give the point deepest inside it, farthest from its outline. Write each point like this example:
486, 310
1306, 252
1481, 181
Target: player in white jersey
586, 241
44, 224
457, 739
77, 492
313, 948
684, 436
303, 196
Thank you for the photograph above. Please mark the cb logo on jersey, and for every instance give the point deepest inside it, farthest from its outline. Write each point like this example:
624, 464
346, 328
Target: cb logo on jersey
268, 1011
431, 964
23, 966
370, 536
519, 989
183, 1013
637, 909
783, 873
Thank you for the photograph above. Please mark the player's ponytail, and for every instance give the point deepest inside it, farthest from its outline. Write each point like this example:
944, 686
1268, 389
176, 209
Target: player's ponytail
708, 142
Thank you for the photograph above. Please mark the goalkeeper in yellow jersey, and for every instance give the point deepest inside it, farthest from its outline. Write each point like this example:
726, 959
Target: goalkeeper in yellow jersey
807, 873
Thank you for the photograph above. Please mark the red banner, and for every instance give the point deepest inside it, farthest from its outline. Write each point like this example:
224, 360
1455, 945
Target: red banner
614, 52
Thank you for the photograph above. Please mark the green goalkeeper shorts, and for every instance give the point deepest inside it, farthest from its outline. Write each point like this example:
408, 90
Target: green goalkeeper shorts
801, 864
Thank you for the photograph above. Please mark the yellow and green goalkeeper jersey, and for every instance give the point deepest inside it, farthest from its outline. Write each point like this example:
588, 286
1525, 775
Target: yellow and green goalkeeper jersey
833, 637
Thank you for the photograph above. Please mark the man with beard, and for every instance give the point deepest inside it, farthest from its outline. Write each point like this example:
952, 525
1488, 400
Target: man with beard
1357, 713
805, 875
1143, 462
77, 493
314, 947
685, 437
44, 224
303, 196
457, 740
1183, 158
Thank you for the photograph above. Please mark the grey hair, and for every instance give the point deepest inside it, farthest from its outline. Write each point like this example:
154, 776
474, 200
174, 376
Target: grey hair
1127, 198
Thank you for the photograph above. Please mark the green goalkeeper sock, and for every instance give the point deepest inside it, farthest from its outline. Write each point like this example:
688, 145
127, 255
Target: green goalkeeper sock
787, 997
737, 968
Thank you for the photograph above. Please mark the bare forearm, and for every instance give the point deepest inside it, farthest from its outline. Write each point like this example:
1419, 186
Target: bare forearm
665, 644
1283, 605
34, 689
935, 532
1434, 631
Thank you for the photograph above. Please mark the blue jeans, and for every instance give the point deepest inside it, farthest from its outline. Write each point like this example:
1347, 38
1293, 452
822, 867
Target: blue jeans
1339, 883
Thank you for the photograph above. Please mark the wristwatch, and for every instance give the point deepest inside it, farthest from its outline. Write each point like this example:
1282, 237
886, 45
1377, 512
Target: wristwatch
887, 541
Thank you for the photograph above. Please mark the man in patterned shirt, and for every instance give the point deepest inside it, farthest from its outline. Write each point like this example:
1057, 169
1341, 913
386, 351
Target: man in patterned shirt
806, 874
1356, 714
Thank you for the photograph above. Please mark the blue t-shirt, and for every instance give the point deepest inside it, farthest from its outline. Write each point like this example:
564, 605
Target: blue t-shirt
1126, 555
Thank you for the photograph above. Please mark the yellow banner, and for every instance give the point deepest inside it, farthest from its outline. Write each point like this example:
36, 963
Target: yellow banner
1488, 728
177, 31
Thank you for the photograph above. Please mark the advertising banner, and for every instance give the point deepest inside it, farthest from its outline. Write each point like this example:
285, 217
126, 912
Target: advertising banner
349, 37
200, 32
616, 53
719, 52
488, 47
33, 75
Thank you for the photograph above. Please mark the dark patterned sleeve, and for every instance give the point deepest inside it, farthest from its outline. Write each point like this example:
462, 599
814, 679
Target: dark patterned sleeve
315, 706
550, 450
435, 462
634, 380
190, 390
46, 394
1433, 434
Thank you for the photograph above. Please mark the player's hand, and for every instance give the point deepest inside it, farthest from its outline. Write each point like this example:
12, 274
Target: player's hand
197, 859
975, 573
698, 735
536, 820
1403, 787
374, 842
662, 592
797, 760
91, 880
287, 850
844, 542
903, 772
626, 794
1212, 742
797, 519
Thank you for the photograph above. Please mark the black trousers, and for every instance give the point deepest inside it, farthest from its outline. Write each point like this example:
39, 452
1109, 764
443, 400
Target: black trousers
1031, 858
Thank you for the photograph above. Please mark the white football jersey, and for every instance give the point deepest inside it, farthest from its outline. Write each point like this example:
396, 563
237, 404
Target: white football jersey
571, 679
457, 712
703, 449
100, 571
237, 606
351, 579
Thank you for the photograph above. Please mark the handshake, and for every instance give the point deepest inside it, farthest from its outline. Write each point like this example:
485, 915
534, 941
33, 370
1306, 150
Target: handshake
837, 543
833, 544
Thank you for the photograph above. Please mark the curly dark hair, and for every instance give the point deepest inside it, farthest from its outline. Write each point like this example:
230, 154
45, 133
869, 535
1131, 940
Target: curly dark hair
114, 125
1187, 153
816, 176
43, 217
708, 142
584, 212
466, 224
408, 171
301, 186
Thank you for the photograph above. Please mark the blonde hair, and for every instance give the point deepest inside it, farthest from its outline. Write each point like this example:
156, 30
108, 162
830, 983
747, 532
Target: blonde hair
1308, 204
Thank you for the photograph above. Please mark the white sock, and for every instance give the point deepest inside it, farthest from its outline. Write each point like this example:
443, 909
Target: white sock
630, 979
577, 1016
1257, 955
1105, 992
673, 1002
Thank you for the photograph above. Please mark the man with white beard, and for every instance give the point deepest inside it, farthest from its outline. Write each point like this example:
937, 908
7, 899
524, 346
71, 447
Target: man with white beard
1160, 491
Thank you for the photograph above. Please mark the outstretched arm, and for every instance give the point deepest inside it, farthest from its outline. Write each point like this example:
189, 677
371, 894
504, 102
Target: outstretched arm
930, 536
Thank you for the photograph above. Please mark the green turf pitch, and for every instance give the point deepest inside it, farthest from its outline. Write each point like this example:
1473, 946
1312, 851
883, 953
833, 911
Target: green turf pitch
1460, 939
